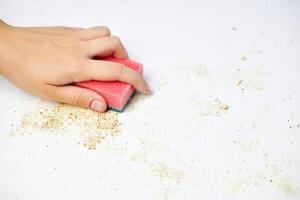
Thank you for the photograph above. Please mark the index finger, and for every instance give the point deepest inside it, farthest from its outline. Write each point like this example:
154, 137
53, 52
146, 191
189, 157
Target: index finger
111, 71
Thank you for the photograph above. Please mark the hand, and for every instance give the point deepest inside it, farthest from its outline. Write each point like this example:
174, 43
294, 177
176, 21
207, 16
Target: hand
46, 60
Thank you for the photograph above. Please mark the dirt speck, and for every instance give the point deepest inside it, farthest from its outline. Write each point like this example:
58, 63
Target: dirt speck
249, 78
239, 82
223, 107
286, 187
246, 145
243, 57
162, 82
163, 171
201, 70
252, 178
157, 166
293, 123
194, 67
212, 107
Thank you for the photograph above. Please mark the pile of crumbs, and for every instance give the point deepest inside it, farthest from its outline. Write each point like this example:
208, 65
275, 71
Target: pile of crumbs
62, 119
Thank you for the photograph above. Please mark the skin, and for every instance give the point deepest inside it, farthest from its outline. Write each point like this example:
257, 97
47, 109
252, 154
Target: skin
45, 61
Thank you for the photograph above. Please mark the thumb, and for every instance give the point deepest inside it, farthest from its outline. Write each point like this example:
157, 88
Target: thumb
78, 97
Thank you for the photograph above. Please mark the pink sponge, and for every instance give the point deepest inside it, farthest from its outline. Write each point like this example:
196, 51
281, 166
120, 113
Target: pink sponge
116, 93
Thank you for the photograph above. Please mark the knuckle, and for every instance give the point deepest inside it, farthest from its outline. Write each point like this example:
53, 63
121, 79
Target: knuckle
79, 100
75, 68
115, 40
105, 30
118, 70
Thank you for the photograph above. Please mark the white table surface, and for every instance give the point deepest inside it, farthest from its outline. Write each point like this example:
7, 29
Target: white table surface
223, 122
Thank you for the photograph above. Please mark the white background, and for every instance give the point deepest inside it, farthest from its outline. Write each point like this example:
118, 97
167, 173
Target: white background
194, 52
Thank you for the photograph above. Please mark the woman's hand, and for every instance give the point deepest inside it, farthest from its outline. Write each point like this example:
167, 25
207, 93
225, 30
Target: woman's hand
44, 61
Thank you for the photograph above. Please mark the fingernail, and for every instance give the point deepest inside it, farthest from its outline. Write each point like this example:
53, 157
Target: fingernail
98, 106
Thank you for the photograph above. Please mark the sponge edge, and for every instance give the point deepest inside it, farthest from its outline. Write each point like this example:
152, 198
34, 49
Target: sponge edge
117, 94
119, 111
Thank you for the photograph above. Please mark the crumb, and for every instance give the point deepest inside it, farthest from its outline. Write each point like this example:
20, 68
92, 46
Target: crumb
224, 107
239, 82
243, 57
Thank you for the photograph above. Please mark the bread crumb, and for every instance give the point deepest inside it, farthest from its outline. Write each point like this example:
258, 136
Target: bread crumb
243, 57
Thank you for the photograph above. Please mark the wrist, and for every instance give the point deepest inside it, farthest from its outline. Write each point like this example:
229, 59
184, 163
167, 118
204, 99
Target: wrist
4, 29
3, 26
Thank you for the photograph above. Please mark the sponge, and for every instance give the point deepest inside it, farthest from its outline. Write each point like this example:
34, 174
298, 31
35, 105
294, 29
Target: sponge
117, 94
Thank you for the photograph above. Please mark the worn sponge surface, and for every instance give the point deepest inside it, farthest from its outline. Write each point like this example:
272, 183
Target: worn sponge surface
116, 93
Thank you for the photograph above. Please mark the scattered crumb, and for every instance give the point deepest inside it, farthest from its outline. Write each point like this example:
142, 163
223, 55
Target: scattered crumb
293, 123
201, 70
249, 78
286, 187
195, 67
234, 29
164, 172
223, 107
239, 82
158, 167
162, 82
243, 57
247, 145
254, 178
213, 107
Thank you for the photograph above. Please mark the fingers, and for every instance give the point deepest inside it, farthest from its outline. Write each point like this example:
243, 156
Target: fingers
111, 71
77, 96
106, 46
